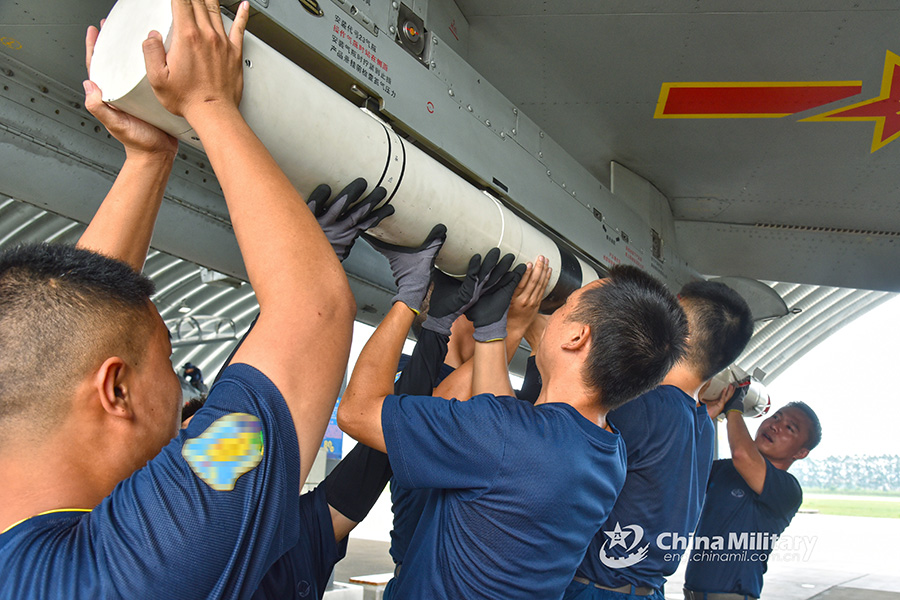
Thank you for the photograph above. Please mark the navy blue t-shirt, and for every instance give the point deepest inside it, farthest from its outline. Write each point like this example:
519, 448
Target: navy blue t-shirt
206, 518
519, 492
304, 570
732, 509
408, 504
670, 452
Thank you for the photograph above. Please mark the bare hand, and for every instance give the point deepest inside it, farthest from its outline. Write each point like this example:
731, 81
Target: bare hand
527, 297
714, 407
203, 66
138, 137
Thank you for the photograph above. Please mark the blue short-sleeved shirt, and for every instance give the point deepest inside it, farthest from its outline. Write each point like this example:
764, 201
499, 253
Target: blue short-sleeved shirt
206, 518
670, 452
303, 571
731, 510
519, 492
408, 504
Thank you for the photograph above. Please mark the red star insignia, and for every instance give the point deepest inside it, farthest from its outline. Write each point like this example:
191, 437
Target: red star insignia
884, 110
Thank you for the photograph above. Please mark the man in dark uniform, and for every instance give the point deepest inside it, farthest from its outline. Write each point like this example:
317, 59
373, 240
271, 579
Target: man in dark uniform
669, 438
515, 486
428, 367
750, 499
117, 503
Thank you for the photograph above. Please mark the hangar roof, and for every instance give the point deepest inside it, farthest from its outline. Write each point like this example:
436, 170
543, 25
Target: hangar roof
205, 319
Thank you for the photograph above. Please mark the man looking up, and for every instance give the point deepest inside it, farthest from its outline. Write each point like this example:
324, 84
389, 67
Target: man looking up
669, 438
89, 395
519, 489
751, 492
426, 369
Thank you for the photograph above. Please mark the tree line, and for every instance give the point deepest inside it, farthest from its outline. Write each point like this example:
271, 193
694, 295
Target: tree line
850, 473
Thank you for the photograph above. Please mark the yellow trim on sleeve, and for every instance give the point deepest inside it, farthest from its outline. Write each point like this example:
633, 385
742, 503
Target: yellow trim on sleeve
46, 512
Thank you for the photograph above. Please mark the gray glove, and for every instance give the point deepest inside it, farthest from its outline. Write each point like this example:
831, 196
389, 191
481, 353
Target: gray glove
489, 313
736, 402
343, 222
451, 298
412, 266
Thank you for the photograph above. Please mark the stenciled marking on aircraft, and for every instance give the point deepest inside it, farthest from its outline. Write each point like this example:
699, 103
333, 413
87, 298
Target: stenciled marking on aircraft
748, 99
883, 109
766, 99
11, 43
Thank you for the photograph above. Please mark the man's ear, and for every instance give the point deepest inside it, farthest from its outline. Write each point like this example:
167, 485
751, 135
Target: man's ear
802, 453
113, 388
578, 336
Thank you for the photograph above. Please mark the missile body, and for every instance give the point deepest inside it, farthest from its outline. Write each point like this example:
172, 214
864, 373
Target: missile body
317, 136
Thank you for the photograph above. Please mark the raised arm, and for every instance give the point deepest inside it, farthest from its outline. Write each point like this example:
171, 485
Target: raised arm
123, 225
532, 383
535, 332
744, 454
526, 302
523, 310
359, 413
421, 373
302, 338
353, 487
489, 315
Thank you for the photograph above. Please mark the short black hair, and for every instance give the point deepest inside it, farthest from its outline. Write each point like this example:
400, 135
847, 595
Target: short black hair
191, 407
638, 332
721, 325
815, 427
61, 308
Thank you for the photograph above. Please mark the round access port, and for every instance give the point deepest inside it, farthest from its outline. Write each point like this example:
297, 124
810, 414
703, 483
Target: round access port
411, 32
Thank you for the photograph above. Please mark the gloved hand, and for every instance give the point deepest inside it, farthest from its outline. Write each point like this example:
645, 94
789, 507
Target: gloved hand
412, 267
343, 223
736, 402
451, 298
488, 314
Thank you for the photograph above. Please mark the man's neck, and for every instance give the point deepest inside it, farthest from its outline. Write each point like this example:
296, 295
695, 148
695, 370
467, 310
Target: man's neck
779, 463
62, 484
578, 397
685, 379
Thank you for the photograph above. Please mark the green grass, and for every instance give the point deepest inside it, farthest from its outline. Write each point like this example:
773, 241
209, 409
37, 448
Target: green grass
853, 508
812, 490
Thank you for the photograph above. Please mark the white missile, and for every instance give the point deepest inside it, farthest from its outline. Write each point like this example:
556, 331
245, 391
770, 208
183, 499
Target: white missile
756, 401
317, 136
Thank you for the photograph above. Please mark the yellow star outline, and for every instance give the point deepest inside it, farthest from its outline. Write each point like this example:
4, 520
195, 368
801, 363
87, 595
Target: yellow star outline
884, 110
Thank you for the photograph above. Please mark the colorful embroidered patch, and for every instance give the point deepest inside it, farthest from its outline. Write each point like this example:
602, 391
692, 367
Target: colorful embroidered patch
230, 446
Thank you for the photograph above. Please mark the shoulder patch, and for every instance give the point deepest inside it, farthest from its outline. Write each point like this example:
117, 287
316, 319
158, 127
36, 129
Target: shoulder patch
231, 446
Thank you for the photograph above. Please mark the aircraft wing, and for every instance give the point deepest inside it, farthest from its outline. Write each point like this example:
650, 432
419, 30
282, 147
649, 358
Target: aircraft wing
769, 126
686, 137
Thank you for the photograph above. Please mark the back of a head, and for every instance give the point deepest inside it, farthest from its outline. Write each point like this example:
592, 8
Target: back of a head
815, 427
721, 325
638, 332
63, 311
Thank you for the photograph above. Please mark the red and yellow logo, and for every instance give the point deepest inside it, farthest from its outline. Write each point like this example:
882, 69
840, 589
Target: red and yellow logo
766, 99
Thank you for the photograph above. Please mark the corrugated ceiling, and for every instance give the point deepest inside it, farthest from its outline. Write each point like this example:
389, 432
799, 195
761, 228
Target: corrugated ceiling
206, 319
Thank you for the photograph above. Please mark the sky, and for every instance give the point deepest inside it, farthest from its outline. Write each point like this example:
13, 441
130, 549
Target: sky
847, 379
